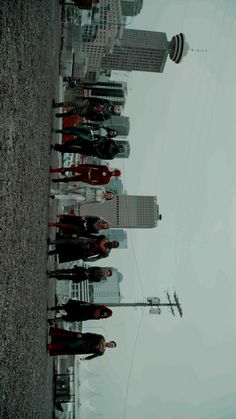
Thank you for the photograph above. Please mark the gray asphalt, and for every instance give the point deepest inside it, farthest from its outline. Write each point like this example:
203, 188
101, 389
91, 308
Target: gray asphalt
29, 55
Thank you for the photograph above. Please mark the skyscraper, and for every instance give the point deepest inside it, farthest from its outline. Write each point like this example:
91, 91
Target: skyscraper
117, 234
128, 211
131, 7
107, 290
120, 123
140, 50
112, 90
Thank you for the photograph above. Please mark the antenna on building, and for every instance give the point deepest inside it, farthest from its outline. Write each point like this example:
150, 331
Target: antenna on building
198, 50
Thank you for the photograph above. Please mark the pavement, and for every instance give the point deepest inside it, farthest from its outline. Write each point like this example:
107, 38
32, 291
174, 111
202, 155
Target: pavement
29, 63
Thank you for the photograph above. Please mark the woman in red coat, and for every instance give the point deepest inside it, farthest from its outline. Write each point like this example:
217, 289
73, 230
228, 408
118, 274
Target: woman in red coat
92, 174
64, 342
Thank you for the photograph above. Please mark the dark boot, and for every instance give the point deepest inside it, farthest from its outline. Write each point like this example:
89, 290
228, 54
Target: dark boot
57, 104
52, 252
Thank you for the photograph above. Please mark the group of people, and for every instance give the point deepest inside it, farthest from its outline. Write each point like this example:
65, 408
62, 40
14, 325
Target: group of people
66, 342
79, 237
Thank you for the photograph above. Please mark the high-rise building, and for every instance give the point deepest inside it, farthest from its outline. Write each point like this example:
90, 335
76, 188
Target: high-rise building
99, 36
127, 211
114, 91
107, 290
115, 185
140, 50
131, 7
120, 123
117, 234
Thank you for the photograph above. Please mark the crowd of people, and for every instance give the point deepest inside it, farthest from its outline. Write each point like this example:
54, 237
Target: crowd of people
79, 237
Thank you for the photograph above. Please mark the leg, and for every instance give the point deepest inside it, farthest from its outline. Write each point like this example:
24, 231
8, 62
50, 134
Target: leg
52, 252
68, 113
57, 170
57, 104
60, 225
60, 180
55, 308
77, 178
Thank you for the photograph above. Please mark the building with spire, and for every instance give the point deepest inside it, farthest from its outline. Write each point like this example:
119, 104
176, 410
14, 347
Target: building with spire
140, 50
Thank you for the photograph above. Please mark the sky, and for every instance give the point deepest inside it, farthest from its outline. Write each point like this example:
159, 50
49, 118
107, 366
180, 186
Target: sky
183, 150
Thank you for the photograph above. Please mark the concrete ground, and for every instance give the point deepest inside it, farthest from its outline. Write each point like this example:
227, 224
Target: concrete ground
29, 57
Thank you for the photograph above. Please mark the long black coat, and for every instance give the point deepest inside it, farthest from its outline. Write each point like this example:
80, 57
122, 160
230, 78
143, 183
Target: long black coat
79, 274
85, 248
64, 342
81, 310
81, 225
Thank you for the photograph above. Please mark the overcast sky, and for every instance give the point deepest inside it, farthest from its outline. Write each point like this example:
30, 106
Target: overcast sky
183, 150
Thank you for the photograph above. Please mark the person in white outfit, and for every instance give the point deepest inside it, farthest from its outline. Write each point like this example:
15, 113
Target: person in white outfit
83, 195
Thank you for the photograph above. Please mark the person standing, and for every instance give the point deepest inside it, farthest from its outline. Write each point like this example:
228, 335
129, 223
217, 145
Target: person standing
64, 342
82, 226
104, 148
92, 174
88, 132
94, 109
77, 310
86, 248
81, 273
83, 195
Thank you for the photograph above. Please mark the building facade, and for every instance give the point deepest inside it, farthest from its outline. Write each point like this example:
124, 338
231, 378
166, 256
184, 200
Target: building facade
111, 90
141, 50
120, 123
138, 50
131, 7
117, 234
98, 38
107, 290
127, 211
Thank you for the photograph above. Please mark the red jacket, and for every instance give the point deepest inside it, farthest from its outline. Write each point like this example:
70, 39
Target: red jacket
92, 174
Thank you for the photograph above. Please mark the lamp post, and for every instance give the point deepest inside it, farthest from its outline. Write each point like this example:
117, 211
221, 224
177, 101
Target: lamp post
155, 304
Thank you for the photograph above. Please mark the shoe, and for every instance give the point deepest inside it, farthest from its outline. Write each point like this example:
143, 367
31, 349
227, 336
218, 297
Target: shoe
54, 104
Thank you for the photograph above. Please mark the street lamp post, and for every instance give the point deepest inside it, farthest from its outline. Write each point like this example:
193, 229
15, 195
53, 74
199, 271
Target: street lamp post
155, 304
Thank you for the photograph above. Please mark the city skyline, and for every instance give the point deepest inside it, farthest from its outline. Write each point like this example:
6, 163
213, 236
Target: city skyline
185, 155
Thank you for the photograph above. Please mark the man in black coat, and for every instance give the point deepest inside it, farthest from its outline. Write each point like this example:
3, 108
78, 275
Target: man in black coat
104, 148
86, 248
81, 273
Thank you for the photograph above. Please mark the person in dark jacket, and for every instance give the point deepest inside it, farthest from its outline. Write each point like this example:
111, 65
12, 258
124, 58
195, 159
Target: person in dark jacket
85, 248
80, 311
82, 226
64, 342
104, 148
88, 132
93, 174
94, 109
81, 273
